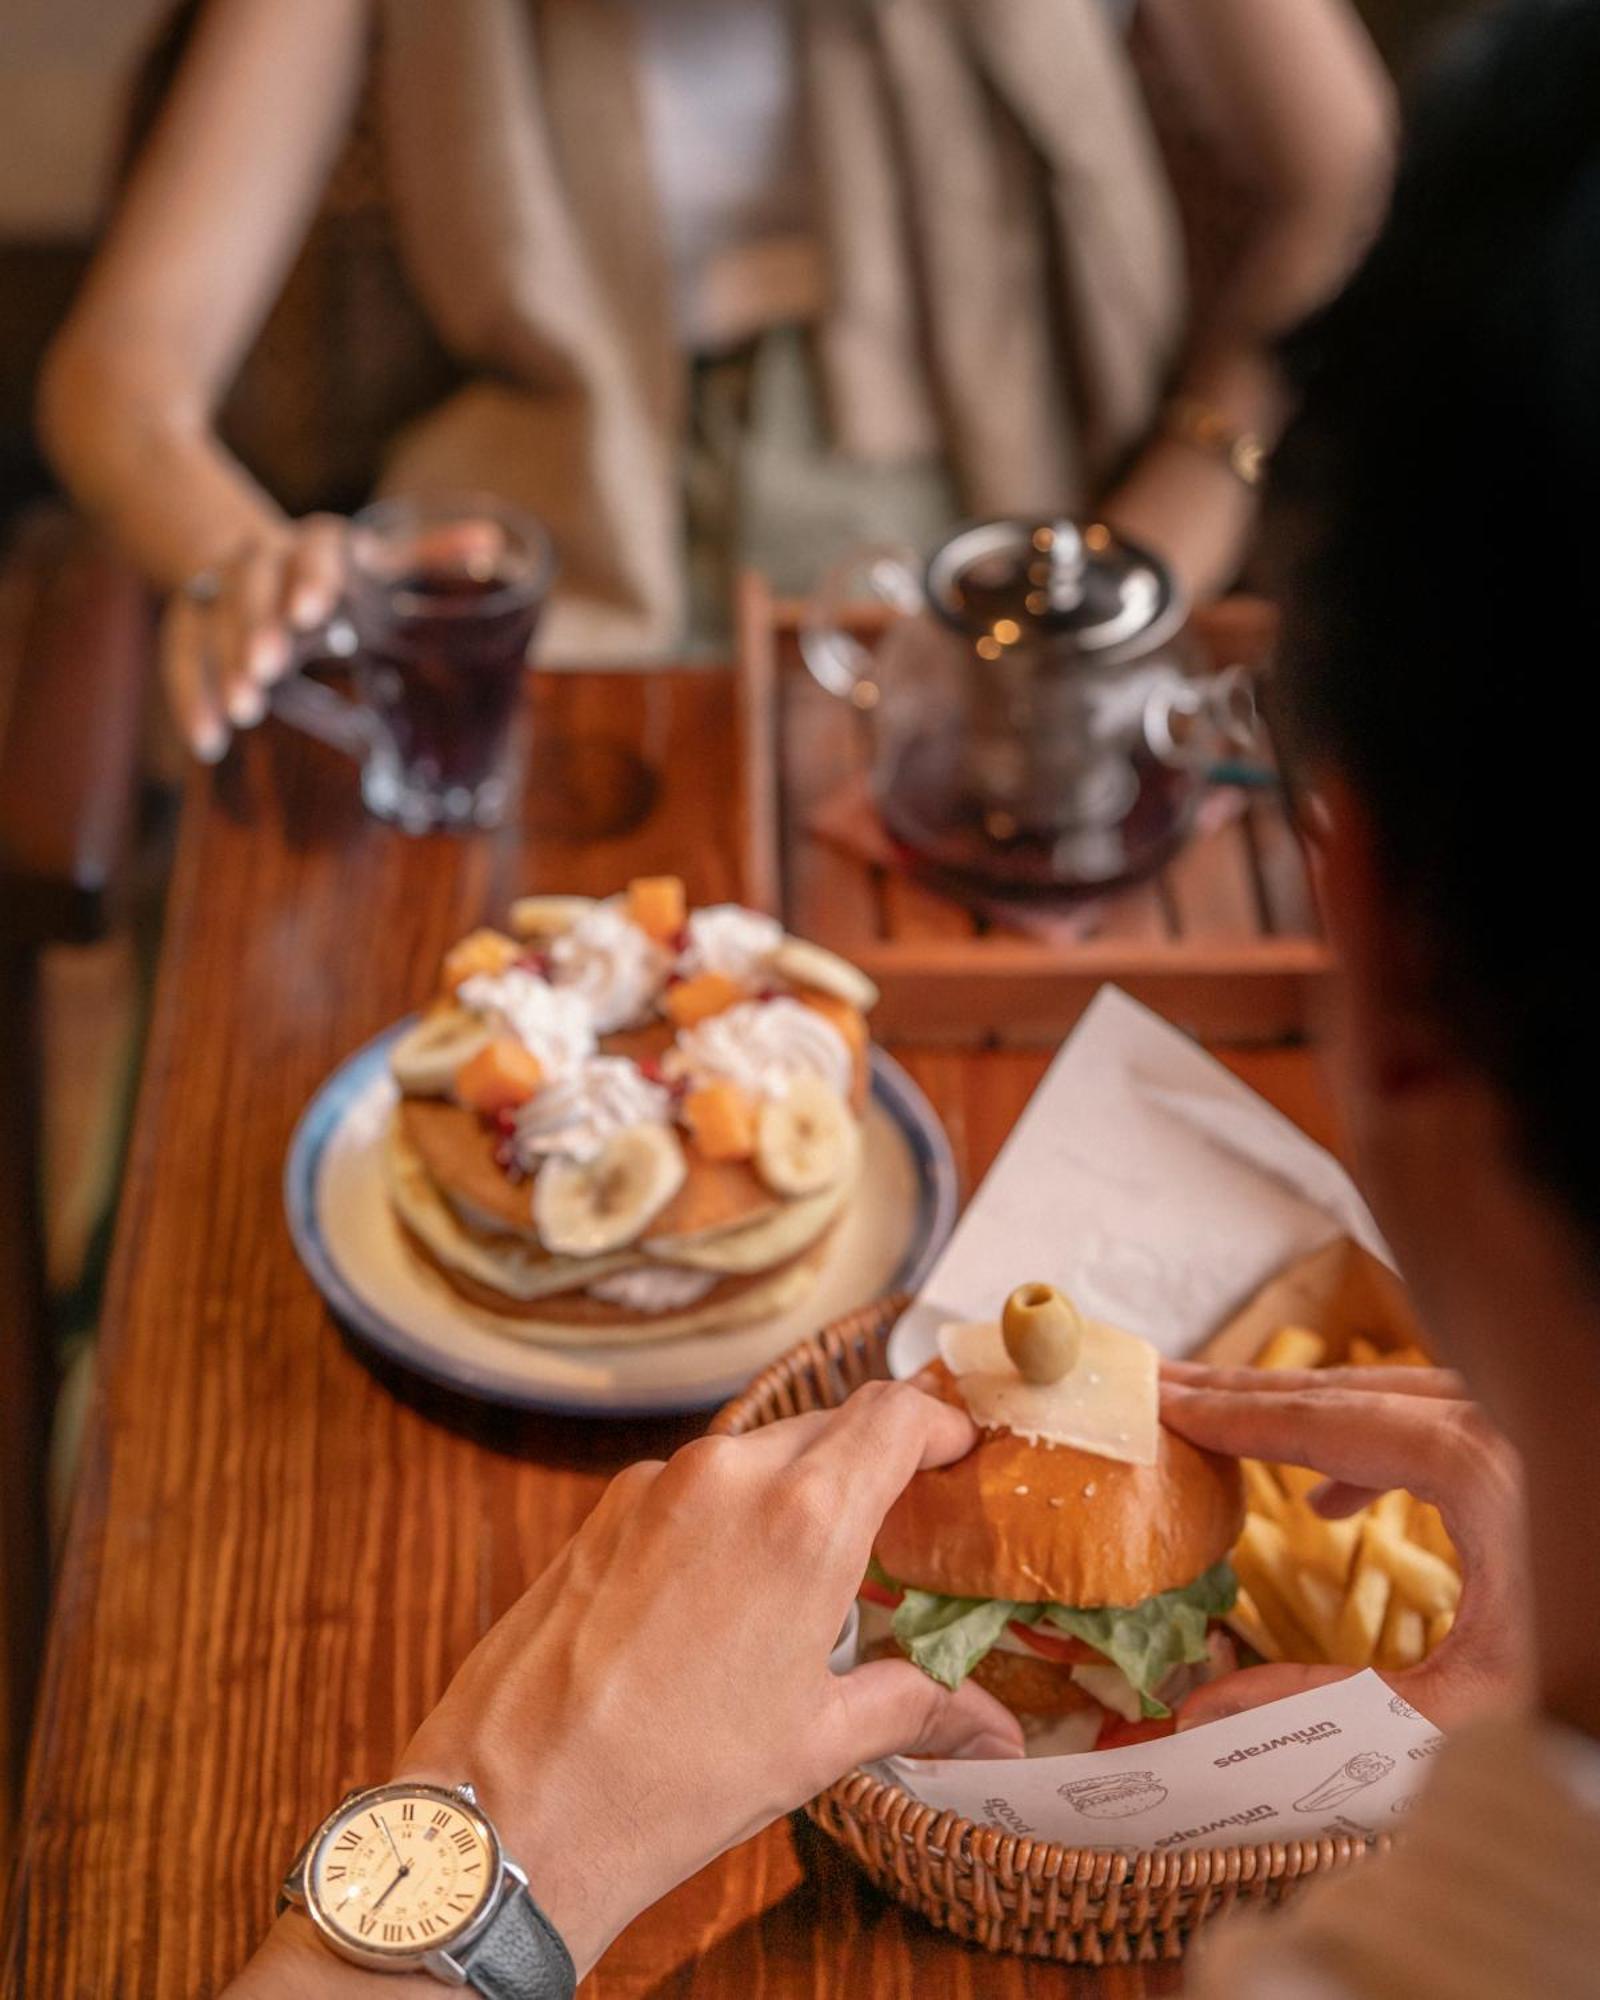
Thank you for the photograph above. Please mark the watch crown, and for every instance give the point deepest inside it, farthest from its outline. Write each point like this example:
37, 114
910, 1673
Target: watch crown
468, 1793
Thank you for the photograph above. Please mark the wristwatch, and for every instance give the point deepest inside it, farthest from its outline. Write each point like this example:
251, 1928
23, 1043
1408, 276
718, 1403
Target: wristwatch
411, 1877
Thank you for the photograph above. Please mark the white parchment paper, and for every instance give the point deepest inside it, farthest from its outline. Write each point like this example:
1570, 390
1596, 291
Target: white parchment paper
1341, 1759
1145, 1180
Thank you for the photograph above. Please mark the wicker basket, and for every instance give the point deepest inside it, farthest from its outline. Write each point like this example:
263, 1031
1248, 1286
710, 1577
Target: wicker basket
998, 1889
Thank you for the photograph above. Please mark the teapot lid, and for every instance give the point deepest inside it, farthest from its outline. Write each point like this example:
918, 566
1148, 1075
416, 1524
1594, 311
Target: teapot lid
1002, 582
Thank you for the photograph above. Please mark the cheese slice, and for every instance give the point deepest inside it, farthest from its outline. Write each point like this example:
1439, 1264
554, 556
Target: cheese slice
1109, 1404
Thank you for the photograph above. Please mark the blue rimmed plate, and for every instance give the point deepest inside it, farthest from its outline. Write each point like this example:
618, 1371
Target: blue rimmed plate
350, 1243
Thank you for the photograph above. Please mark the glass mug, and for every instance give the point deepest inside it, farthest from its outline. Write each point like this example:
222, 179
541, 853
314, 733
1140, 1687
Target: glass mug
441, 601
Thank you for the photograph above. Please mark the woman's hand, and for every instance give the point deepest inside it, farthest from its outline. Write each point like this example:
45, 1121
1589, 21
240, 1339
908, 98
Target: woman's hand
663, 1690
1369, 1430
231, 632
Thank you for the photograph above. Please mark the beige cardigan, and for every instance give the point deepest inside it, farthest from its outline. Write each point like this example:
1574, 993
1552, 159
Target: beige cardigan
1003, 256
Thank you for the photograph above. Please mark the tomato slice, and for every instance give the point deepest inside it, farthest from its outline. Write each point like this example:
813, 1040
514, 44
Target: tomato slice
1118, 1734
1056, 1646
875, 1593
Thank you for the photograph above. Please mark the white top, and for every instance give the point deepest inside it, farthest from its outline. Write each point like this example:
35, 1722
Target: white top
722, 113
722, 110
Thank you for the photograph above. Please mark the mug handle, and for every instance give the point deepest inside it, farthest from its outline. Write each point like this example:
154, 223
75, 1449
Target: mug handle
316, 709
886, 573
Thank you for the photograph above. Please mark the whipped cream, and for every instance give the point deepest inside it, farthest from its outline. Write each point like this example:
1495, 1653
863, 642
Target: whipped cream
576, 1116
762, 1046
616, 967
555, 1027
732, 940
656, 1289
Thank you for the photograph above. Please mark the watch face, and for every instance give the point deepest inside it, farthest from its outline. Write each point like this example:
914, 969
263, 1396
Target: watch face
402, 1870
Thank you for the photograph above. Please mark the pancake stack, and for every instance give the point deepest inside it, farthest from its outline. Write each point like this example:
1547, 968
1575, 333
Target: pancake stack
624, 1120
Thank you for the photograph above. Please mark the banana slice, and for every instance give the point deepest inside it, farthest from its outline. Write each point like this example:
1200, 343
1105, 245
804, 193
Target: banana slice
548, 916
806, 1140
584, 1208
807, 964
426, 1058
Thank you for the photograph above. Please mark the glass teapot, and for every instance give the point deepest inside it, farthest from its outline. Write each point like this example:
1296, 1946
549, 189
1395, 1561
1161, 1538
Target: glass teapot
1037, 723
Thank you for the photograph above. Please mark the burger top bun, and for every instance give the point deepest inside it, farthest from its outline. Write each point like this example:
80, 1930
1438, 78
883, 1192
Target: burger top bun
985, 1526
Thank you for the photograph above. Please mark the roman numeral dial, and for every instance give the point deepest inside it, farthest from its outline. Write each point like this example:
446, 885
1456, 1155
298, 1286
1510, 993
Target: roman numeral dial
400, 1872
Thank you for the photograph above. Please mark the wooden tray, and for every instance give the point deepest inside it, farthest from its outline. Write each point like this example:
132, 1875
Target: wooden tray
1223, 941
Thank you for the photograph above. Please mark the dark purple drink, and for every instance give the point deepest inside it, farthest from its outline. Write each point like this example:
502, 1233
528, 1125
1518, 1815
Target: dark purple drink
444, 599
441, 663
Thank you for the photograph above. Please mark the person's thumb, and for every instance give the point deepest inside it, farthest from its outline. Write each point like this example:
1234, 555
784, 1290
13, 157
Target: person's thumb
891, 1708
1250, 1688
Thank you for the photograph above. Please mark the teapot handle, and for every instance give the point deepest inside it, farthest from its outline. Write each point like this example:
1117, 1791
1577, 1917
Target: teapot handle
878, 573
1189, 724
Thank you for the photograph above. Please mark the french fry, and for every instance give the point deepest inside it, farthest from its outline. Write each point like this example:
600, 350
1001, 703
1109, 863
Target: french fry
1361, 1616
1392, 1509
1299, 1480
1404, 1637
1293, 1347
1427, 1583
1248, 1622
1319, 1603
1426, 1527
1376, 1588
1263, 1494
1290, 1639
1326, 1547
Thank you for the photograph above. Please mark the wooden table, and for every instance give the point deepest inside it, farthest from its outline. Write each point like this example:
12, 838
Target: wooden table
232, 1646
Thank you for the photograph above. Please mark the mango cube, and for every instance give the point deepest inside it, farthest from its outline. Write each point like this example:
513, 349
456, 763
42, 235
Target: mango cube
500, 1077
656, 903
721, 1120
697, 999
850, 1021
483, 951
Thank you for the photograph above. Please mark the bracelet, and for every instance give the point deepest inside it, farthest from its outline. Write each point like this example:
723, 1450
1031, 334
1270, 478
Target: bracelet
1203, 426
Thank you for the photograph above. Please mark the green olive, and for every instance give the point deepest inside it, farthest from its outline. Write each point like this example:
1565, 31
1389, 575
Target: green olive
1043, 1332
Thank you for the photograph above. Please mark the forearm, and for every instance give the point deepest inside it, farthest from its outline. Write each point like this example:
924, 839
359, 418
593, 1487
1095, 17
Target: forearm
148, 463
1183, 498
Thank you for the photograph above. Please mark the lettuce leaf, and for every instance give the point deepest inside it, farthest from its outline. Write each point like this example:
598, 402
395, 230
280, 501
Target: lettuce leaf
948, 1636
1150, 1639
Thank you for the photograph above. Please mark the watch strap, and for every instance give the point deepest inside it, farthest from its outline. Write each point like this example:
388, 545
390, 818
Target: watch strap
521, 1956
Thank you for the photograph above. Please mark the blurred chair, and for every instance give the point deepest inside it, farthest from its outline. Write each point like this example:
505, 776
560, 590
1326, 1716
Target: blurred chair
75, 651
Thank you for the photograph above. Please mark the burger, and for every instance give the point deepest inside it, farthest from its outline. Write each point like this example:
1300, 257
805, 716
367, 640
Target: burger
1082, 1591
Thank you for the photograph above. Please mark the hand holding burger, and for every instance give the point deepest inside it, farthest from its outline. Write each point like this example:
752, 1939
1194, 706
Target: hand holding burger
663, 1690
1370, 1430
1080, 1589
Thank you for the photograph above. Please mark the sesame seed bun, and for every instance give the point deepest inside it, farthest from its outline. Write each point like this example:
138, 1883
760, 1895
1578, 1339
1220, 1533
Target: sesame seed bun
1116, 1534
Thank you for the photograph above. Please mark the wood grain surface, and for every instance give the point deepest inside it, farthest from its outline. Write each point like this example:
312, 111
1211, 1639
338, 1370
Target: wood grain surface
280, 1548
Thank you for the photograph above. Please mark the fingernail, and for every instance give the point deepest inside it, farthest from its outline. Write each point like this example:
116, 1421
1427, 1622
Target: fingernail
269, 656
307, 608
209, 745
246, 706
